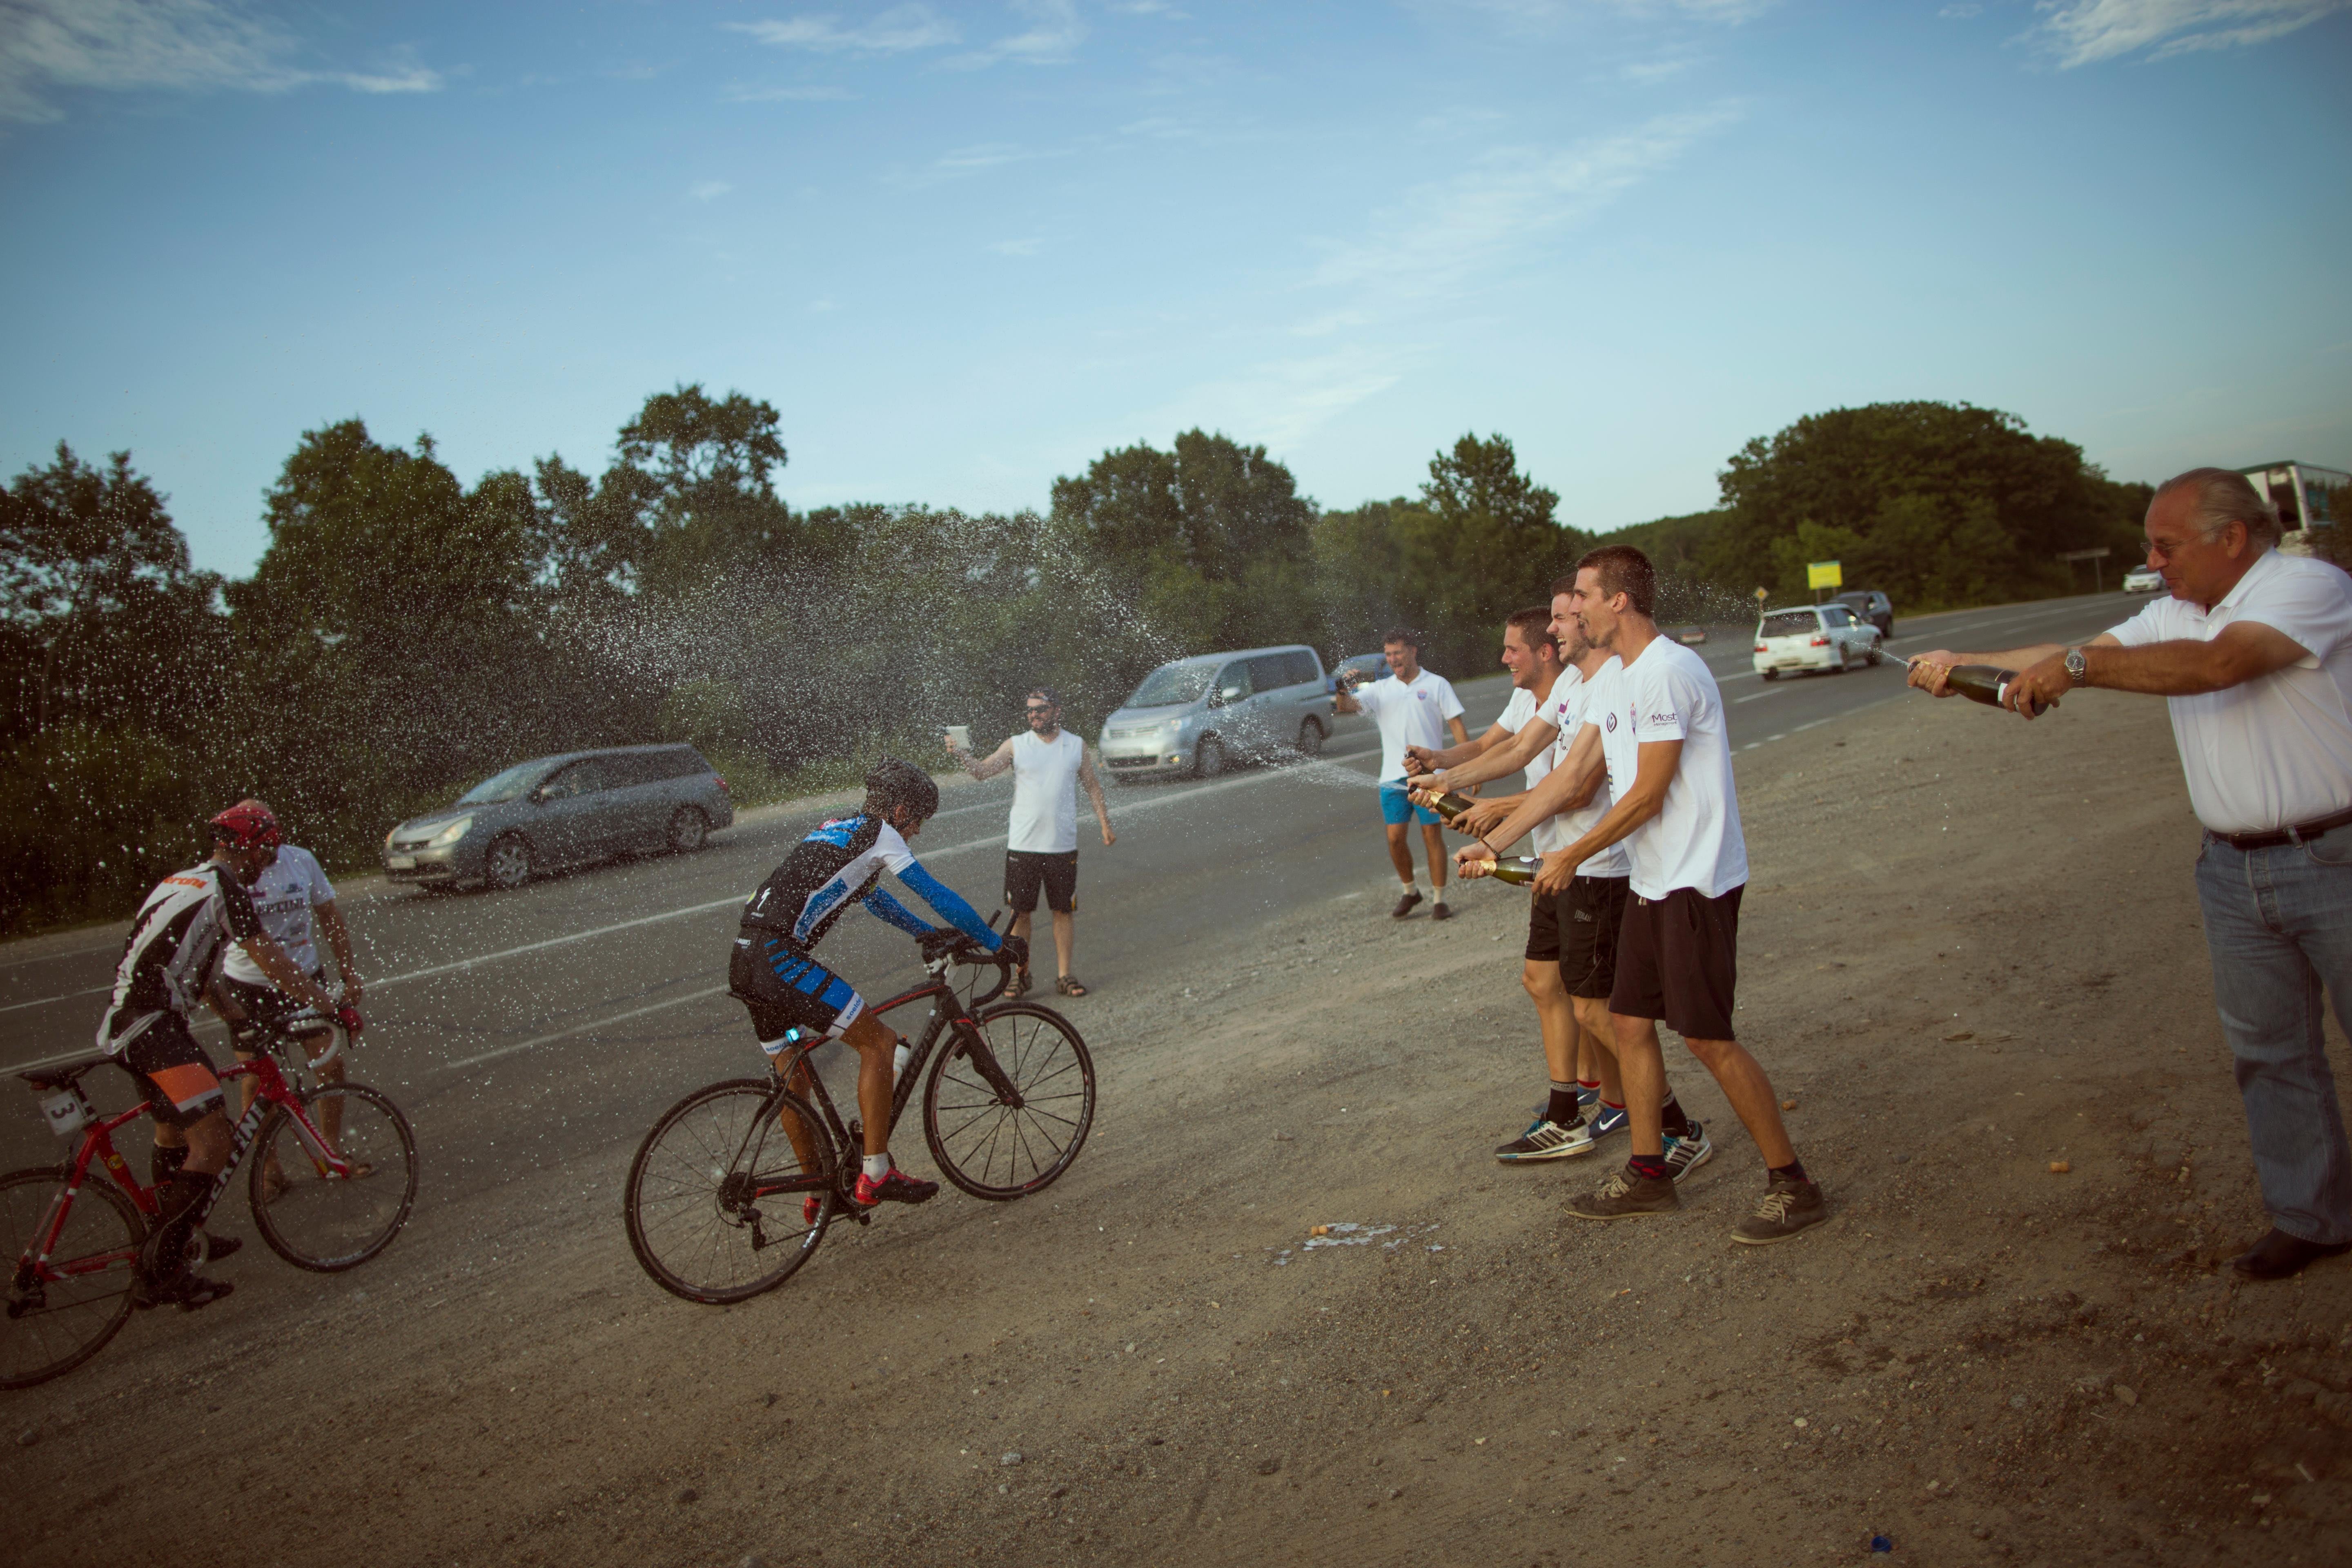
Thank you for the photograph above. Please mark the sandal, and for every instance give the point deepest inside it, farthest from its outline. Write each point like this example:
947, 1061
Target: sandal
1018, 986
1070, 985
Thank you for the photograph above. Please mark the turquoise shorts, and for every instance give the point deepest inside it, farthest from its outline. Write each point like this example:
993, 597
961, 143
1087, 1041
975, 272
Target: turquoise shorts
1397, 807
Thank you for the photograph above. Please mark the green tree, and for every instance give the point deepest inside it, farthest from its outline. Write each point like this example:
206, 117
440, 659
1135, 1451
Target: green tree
1483, 543
705, 489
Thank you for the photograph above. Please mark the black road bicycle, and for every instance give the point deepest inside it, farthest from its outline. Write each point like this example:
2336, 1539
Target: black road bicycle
720, 1205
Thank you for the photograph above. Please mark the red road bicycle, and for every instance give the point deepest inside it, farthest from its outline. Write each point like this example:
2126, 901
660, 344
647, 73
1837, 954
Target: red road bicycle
719, 1206
76, 1239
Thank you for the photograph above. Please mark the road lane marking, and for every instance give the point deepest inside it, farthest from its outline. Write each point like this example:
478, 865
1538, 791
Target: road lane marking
64, 997
589, 1027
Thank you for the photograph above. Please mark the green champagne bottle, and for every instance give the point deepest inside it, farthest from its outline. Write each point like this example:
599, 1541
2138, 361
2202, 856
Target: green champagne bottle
1519, 869
1448, 804
1979, 682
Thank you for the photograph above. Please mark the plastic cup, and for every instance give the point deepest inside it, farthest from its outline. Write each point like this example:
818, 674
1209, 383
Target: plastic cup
960, 737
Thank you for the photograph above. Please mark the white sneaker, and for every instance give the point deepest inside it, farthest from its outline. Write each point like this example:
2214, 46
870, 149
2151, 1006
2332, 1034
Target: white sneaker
1546, 1141
1686, 1155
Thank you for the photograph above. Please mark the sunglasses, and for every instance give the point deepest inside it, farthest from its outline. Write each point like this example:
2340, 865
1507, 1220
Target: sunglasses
1038, 707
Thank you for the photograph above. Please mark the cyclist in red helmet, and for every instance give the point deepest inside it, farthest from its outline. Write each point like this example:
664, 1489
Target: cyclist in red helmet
167, 966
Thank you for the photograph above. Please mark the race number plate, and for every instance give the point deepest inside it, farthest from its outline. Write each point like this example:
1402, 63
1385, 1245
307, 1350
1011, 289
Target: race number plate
65, 1114
401, 862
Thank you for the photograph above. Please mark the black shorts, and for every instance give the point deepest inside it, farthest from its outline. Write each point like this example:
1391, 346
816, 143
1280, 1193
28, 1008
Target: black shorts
1678, 959
1577, 928
1024, 869
264, 1006
786, 990
173, 1072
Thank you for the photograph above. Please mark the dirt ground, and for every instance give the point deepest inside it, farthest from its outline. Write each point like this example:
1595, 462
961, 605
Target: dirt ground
1971, 949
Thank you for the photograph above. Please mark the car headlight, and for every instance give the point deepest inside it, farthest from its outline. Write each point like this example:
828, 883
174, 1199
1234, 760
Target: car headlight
451, 834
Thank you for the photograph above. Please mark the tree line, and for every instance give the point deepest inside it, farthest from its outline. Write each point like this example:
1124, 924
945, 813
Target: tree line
405, 634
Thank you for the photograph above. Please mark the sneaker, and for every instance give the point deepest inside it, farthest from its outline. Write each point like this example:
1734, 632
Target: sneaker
1605, 1118
1586, 1099
1438, 912
188, 1289
1546, 1141
897, 1187
1625, 1196
1406, 904
1689, 1153
1788, 1209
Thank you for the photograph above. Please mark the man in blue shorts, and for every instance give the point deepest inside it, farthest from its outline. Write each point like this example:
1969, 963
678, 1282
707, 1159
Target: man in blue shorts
791, 996
1413, 707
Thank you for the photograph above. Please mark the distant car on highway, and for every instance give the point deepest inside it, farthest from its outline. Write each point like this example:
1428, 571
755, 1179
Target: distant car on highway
1870, 604
1813, 637
2143, 580
1197, 714
572, 809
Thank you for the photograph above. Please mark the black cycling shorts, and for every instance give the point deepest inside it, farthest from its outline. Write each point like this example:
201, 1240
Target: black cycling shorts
1678, 959
173, 1072
786, 990
1577, 928
1024, 869
264, 1006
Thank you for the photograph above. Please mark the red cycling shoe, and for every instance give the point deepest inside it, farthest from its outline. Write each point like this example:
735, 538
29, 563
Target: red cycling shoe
897, 1187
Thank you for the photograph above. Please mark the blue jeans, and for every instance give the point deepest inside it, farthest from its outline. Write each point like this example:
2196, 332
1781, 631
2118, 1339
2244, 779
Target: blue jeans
2278, 924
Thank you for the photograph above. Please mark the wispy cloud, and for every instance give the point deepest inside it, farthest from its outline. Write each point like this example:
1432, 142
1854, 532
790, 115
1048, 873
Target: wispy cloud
745, 93
1052, 38
984, 155
1649, 73
1442, 233
895, 31
1960, 12
2085, 32
185, 46
1018, 246
707, 190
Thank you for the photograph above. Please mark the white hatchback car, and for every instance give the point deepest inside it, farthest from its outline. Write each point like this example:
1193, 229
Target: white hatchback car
1813, 637
2143, 580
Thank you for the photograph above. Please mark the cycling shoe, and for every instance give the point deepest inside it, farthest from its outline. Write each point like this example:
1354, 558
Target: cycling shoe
897, 1187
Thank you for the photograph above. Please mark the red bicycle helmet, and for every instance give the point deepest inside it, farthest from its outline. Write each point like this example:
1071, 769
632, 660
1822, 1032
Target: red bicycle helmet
247, 825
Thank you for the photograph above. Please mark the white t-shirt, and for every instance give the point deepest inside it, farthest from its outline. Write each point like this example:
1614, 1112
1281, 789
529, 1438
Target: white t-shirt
288, 890
1412, 715
1045, 793
2277, 751
1524, 708
1572, 699
1668, 694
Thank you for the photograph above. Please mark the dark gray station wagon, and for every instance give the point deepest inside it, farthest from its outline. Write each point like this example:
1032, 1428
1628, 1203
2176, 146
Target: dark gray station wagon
568, 810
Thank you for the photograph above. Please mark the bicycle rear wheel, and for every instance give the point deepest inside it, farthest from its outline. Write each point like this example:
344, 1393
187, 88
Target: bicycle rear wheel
55, 1323
323, 1221
716, 1200
1011, 1131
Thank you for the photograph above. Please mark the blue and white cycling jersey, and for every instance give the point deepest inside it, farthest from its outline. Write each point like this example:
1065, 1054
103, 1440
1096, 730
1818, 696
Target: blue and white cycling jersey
837, 866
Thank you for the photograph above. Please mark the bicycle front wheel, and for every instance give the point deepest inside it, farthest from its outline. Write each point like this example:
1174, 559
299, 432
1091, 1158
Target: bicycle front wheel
720, 1204
58, 1315
1005, 1113
323, 1219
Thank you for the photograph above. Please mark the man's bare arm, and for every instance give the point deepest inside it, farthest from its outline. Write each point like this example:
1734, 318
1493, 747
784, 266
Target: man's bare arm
994, 763
1653, 772
1564, 788
339, 942
1092, 785
271, 960
1928, 669
1461, 735
1495, 763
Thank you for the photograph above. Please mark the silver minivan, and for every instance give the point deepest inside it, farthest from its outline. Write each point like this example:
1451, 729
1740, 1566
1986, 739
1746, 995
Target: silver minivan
1197, 714
567, 810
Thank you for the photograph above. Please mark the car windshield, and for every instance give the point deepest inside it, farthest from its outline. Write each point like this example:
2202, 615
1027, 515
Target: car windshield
1172, 683
1790, 624
502, 786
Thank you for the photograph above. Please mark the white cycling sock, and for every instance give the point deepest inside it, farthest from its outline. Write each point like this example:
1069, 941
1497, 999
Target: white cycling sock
878, 1165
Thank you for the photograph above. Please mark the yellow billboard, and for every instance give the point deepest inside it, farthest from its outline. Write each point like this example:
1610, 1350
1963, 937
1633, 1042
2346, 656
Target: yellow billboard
1823, 574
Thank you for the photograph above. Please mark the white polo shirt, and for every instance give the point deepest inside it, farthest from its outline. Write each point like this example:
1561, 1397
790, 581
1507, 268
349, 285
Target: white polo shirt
1409, 715
1571, 697
2277, 751
1694, 841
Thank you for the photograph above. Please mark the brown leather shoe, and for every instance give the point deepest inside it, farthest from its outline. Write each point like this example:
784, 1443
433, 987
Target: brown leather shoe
2279, 1256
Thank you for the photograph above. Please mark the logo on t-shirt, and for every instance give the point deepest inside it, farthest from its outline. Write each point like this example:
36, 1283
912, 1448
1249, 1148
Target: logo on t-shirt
1610, 724
1669, 716
1421, 697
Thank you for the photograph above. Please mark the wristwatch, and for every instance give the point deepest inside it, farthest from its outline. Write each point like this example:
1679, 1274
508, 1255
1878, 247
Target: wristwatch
2075, 670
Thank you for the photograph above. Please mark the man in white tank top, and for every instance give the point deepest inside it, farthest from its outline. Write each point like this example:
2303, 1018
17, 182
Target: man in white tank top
1049, 765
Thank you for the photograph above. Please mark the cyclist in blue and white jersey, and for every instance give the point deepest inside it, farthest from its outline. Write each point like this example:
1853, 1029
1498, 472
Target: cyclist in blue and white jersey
790, 995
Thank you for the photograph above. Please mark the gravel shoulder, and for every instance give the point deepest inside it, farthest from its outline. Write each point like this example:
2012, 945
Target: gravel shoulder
1971, 950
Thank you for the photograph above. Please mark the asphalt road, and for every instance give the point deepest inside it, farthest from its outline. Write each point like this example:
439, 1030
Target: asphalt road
523, 1028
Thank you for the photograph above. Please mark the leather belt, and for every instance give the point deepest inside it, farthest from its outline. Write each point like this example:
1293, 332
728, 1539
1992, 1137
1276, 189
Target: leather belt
2298, 833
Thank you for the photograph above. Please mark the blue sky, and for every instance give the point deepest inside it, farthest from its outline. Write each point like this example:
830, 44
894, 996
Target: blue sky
964, 248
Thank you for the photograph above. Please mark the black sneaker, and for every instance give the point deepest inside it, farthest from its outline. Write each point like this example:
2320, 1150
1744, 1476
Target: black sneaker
1625, 1196
897, 1187
1788, 1207
1406, 904
1438, 912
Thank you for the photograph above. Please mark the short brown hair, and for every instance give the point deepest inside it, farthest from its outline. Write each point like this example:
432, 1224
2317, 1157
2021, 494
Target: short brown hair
1564, 584
1534, 626
1405, 634
1624, 570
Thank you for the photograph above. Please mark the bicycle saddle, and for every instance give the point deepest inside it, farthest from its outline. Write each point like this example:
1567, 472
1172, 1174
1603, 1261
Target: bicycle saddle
63, 1074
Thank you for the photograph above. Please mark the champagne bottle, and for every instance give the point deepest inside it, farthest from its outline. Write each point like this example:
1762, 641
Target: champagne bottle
1448, 804
1979, 682
1519, 869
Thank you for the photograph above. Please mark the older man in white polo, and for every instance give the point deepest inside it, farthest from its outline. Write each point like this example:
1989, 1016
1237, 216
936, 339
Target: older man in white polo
2254, 650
